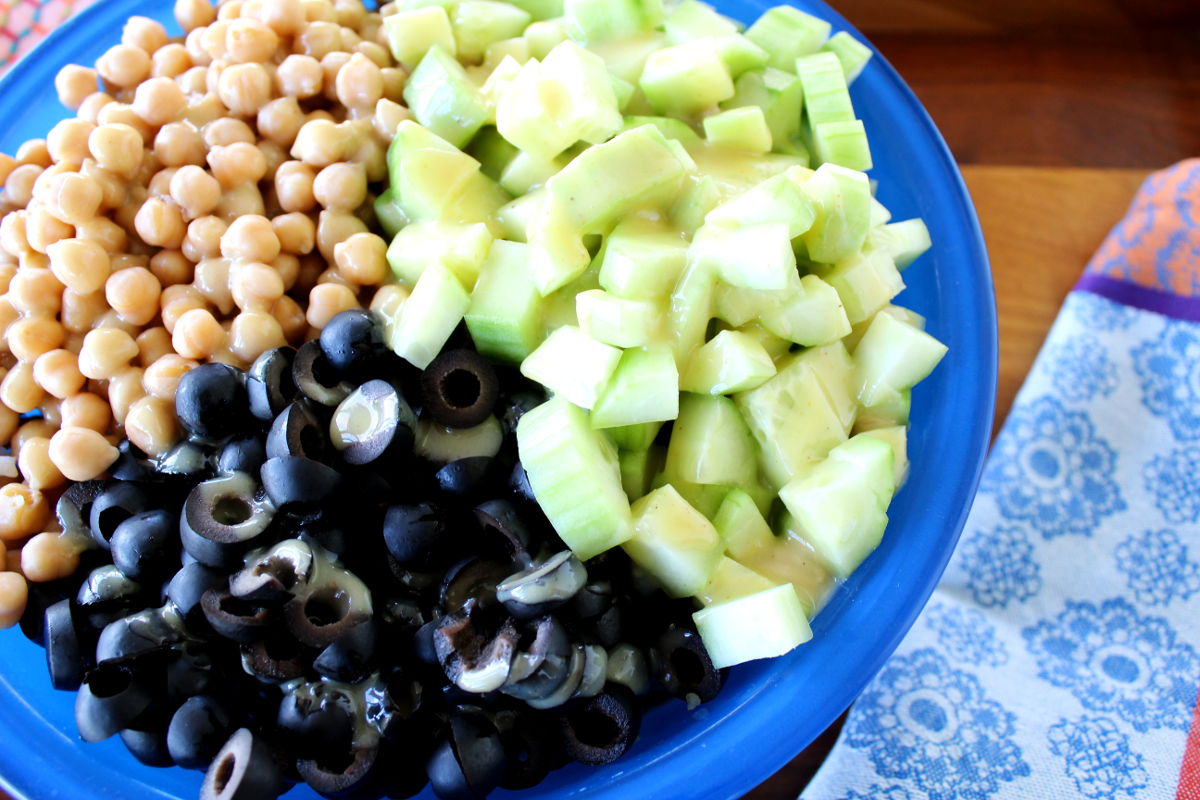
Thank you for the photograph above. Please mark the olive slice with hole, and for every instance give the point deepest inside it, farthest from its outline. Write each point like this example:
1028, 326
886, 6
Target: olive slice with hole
273, 578
269, 382
627, 666
275, 659
197, 730
298, 430
316, 378
595, 671
73, 509
568, 687
211, 401
300, 487
542, 587
221, 517
148, 747
64, 656
245, 453
187, 459
234, 618
341, 776
467, 477
316, 720
110, 698
415, 535
350, 657
602, 729
353, 342
147, 631
502, 517
106, 596
681, 664
329, 610
373, 423
440, 445
468, 762
119, 501
460, 388
529, 753
474, 658
244, 769
188, 585
473, 578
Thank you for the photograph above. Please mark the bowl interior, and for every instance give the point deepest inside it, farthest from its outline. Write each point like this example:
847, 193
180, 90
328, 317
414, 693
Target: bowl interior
768, 711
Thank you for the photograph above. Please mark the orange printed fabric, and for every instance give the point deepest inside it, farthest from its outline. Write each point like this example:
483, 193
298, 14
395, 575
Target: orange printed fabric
24, 23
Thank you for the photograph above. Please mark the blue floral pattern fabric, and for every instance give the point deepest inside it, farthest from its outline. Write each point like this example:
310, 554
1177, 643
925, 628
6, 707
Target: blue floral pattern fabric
1060, 656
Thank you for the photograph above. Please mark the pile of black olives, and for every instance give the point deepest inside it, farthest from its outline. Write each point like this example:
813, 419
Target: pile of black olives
341, 578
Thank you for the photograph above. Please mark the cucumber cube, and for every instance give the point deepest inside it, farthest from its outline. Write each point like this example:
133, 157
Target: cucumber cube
626, 57
826, 95
777, 199
692, 19
810, 316
644, 388
444, 99
504, 317
705, 498
460, 248
612, 320
735, 172
436, 306
792, 420
413, 5
540, 9
788, 33
390, 213
636, 170
512, 219
544, 36
673, 542
899, 312
903, 241
527, 172
434, 181
753, 257
575, 476
866, 283
731, 580
835, 371
738, 307
635, 438
499, 80
690, 310
572, 364
739, 129
710, 443
517, 49
776, 347
699, 196
892, 409
478, 24
896, 437
557, 254
739, 54
686, 79
843, 201
492, 151
840, 503
411, 34
638, 468
843, 143
731, 362
851, 53
745, 534
669, 127
599, 20
762, 625
641, 260
781, 97
893, 355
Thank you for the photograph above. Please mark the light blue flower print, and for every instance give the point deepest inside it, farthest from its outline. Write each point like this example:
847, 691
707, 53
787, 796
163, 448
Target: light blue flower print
877, 792
1000, 566
1158, 568
1114, 659
1050, 469
924, 721
966, 633
1081, 369
1174, 480
1098, 757
1169, 367
1100, 313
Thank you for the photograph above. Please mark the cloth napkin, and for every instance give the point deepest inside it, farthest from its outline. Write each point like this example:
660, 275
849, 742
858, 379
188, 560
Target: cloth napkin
1060, 656
24, 23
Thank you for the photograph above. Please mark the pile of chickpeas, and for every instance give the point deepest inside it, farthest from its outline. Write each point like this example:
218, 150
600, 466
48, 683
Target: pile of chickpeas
211, 200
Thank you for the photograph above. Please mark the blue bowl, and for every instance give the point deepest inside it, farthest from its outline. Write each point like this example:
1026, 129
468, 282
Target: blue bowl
768, 711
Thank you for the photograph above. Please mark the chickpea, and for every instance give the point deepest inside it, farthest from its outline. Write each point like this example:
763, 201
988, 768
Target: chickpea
226, 131
341, 186
193, 14
288, 268
229, 10
8, 271
326, 301
125, 389
171, 267
85, 410
373, 50
254, 333
241, 200
334, 227
81, 453
175, 306
34, 151
122, 114
194, 44
124, 65
319, 11
195, 191
13, 229
19, 186
213, 39
23, 512
179, 144
159, 101
362, 259
296, 232
388, 299
106, 351
212, 280
286, 17
255, 286
294, 186
319, 39
44, 229
198, 335
280, 120
129, 260
151, 425
50, 557
204, 109
292, 320
133, 294
104, 232
37, 469
145, 33
171, 61
117, 147
74, 84
57, 371
237, 163
331, 65
90, 108
160, 223
34, 429
162, 377
300, 76
388, 116
50, 411
19, 391
73, 198
273, 155
67, 141
359, 83
250, 237
244, 88
35, 291
14, 594
203, 238
249, 40
80, 310
112, 188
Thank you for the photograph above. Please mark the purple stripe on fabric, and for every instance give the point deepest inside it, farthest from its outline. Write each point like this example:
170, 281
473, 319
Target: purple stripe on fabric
1131, 294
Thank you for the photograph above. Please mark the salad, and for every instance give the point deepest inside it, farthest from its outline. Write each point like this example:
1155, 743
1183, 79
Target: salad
418, 395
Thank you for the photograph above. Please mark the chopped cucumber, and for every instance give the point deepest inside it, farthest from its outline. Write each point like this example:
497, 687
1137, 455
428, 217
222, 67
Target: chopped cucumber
893, 356
575, 477
643, 389
775, 346
812, 315
739, 129
705, 498
635, 437
613, 320
692, 19
505, 314
572, 364
686, 79
478, 24
540, 9
492, 151
691, 309
745, 534
739, 54
626, 57
710, 443
777, 199
544, 36
840, 504
436, 306
557, 254
515, 49
444, 99
642, 260
673, 542
699, 196
669, 127
731, 362
738, 307
835, 372
896, 437
843, 202
763, 625
731, 580
865, 283
781, 97
851, 53
390, 214
903, 241
826, 95
411, 34
843, 143
600, 20
513, 218
788, 33
460, 248
638, 468
526, 172
752, 257
892, 408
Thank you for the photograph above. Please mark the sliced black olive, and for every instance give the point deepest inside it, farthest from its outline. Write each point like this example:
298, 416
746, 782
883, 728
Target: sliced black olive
517, 406
423, 644
441, 445
502, 516
244, 769
191, 671
465, 477
609, 627
274, 577
245, 453
595, 671
73, 509
350, 775
198, 729
353, 342
541, 666
460, 388
106, 596
474, 658
221, 517
187, 587
33, 618
137, 634
593, 599
316, 378
234, 618
109, 699
543, 587
627, 666
146, 546
269, 382
64, 656
473, 578
131, 464
374, 422
570, 684
117, 503
211, 402
529, 753
186, 460
388, 705
681, 664
299, 486
602, 729
298, 430
316, 720
148, 747
416, 535
328, 611
350, 657
277, 658
468, 763
518, 484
